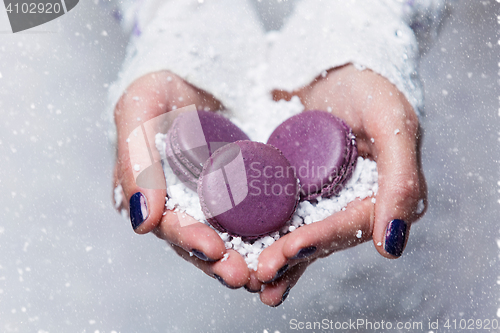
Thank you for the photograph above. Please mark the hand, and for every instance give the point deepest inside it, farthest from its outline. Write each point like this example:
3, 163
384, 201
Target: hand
387, 131
146, 98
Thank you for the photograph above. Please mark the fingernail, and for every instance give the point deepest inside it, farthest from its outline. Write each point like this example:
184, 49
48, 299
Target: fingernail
395, 237
221, 280
250, 290
305, 252
138, 209
200, 255
279, 273
283, 298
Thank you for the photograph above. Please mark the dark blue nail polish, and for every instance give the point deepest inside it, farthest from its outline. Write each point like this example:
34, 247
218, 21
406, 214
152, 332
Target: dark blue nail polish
283, 298
305, 252
138, 209
279, 273
221, 280
395, 237
200, 255
250, 290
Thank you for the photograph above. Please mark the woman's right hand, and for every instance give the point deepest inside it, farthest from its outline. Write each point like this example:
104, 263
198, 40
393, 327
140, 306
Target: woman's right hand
147, 98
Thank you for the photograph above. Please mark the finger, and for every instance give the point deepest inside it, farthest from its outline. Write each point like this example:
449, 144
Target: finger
191, 235
253, 285
139, 104
144, 101
274, 294
401, 197
272, 263
339, 231
231, 273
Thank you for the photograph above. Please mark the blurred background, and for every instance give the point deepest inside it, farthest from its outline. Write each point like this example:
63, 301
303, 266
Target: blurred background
70, 263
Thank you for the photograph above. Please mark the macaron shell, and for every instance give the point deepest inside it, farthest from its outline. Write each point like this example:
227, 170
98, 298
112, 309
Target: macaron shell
192, 138
319, 145
195, 137
180, 155
182, 173
352, 158
245, 189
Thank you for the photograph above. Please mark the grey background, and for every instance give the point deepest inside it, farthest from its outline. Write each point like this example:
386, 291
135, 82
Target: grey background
69, 263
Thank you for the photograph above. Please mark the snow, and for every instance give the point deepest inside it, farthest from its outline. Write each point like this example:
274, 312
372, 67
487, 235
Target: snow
118, 196
259, 123
420, 206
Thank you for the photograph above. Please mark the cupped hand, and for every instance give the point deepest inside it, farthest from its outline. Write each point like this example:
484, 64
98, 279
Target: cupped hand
387, 131
145, 99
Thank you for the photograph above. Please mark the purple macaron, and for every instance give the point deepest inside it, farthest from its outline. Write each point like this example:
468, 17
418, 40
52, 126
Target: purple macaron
321, 148
193, 137
248, 189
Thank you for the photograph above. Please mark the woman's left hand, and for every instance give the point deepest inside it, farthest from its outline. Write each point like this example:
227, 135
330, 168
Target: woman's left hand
387, 131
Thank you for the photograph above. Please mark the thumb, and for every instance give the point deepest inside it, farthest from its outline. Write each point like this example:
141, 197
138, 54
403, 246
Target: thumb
138, 116
401, 196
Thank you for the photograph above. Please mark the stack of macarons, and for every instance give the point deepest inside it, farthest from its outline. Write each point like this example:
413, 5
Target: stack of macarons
250, 189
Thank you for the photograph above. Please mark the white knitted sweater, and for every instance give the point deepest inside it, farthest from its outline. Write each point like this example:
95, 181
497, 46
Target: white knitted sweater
217, 45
